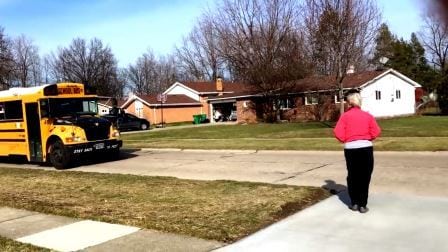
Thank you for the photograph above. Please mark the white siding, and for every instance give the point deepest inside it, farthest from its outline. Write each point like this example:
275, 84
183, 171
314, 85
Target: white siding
138, 106
180, 90
389, 105
103, 109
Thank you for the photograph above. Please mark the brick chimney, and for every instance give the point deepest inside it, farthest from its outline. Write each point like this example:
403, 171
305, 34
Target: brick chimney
351, 69
219, 85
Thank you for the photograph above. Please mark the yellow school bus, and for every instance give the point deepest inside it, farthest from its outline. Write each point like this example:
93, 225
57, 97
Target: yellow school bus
54, 123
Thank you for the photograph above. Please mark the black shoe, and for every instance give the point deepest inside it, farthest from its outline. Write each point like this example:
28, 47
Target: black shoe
363, 209
354, 207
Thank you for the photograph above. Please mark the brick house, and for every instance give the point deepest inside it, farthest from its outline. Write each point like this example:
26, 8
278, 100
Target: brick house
385, 93
183, 101
177, 108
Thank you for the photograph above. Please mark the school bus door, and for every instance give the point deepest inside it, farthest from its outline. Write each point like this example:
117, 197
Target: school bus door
34, 134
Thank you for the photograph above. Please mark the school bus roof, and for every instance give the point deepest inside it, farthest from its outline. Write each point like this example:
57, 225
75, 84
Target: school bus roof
18, 91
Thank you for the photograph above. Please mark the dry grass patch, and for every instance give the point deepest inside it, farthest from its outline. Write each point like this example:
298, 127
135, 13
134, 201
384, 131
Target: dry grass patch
8, 245
218, 210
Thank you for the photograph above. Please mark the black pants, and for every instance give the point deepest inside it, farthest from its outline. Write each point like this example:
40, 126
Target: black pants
359, 167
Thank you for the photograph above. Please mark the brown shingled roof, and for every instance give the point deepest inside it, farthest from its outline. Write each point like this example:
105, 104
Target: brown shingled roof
317, 83
120, 102
108, 101
171, 99
210, 86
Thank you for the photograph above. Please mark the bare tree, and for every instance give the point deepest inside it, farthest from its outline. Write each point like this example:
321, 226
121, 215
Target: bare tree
262, 44
26, 61
199, 54
143, 73
340, 33
168, 73
6, 61
150, 75
435, 39
260, 41
89, 63
47, 69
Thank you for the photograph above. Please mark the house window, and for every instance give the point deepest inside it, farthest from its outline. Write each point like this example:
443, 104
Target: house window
287, 103
311, 99
337, 98
139, 108
398, 94
378, 95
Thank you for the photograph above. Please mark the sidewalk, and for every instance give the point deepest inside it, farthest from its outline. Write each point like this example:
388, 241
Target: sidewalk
394, 223
68, 234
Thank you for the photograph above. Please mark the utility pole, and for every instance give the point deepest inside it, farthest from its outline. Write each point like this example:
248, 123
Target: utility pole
162, 99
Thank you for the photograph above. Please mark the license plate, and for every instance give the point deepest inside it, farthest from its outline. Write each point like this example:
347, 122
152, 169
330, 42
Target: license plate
98, 146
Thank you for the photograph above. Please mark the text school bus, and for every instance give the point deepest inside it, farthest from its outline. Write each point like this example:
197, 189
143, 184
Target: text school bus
54, 123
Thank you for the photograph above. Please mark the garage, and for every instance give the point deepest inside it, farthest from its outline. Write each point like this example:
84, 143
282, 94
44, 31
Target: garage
223, 109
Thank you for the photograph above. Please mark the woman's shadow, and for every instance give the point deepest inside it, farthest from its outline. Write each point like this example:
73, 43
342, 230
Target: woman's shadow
337, 189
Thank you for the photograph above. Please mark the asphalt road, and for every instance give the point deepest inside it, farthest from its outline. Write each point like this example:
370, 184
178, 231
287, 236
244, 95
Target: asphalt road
413, 173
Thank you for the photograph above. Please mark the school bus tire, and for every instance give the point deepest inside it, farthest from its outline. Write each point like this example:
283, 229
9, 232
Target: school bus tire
59, 157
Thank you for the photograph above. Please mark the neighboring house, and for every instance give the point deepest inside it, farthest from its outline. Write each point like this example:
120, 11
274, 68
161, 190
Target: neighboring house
385, 93
203, 91
183, 101
177, 108
106, 103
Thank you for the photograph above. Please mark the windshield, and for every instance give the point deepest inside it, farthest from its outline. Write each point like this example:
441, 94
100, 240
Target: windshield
71, 107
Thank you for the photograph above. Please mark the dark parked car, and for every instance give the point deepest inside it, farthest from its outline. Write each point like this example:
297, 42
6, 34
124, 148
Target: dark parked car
125, 121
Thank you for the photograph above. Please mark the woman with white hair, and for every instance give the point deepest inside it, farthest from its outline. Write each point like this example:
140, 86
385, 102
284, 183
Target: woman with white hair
357, 129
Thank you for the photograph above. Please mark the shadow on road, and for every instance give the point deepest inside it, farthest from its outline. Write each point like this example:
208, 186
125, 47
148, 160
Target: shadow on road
90, 159
99, 159
337, 189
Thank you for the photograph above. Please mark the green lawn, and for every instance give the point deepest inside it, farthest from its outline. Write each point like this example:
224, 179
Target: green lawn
217, 210
423, 133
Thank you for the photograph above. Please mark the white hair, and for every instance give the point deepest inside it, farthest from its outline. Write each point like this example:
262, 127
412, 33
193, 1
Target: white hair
354, 100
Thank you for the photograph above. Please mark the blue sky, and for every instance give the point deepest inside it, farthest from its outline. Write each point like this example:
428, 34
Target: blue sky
130, 27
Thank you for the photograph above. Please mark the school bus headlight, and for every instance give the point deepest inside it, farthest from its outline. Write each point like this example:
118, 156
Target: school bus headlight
73, 139
116, 133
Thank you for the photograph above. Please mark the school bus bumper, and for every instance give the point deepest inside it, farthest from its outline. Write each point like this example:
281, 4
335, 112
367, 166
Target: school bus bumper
91, 147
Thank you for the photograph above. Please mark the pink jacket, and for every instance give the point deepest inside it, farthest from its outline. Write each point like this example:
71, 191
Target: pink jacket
356, 124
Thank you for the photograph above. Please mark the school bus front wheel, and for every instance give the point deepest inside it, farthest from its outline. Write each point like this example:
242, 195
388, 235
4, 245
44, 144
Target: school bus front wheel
60, 158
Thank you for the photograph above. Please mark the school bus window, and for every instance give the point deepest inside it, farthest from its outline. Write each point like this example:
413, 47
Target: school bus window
2, 112
12, 110
90, 106
44, 108
60, 107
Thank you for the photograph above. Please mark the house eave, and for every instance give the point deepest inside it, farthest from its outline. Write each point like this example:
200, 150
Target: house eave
173, 104
181, 85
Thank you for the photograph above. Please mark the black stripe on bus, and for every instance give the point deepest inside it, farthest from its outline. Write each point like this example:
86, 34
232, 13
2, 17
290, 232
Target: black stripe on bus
12, 140
10, 120
12, 130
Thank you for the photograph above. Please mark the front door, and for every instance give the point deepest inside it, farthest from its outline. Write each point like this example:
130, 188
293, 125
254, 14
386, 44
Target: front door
33, 127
